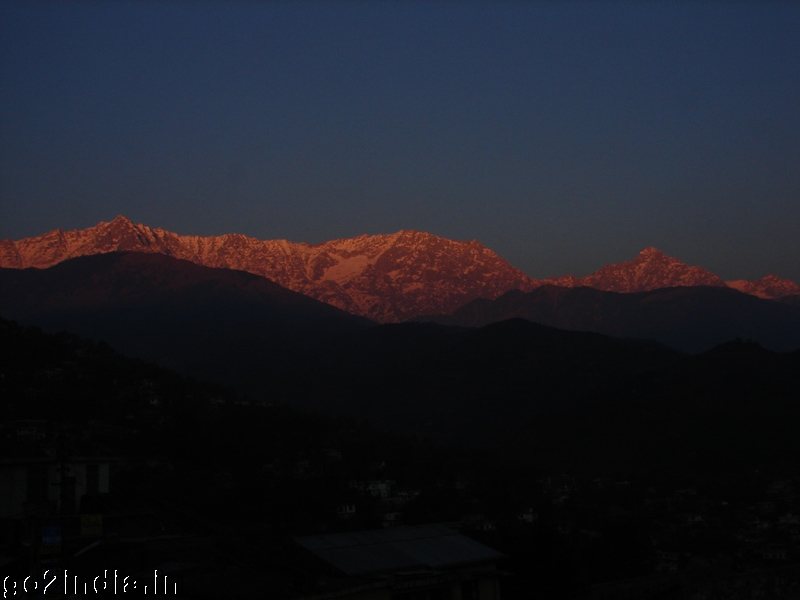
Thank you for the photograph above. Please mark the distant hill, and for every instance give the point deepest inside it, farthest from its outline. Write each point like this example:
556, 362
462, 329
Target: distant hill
577, 401
692, 319
724, 413
279, 346
573, 401
214, 323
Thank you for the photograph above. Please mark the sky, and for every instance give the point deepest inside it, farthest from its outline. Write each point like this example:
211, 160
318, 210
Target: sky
563, 135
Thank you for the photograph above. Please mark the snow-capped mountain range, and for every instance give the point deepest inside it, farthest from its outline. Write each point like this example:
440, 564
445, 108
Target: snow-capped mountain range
650, 270
387, 278
654, 270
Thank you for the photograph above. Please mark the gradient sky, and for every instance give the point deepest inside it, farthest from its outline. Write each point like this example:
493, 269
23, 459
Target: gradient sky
563, 135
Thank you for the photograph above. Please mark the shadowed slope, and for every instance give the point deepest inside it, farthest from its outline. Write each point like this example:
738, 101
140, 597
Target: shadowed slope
691, 319
217, 323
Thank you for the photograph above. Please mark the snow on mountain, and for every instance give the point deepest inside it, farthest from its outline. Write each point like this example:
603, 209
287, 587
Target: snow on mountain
770, 286
653, 270
650, 270
384, 277
388, 277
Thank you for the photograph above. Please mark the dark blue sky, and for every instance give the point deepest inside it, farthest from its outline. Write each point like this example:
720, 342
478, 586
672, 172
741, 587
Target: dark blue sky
563, 135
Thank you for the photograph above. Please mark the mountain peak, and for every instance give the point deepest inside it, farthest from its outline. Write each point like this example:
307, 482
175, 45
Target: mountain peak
121, 220
413, 234
120, 223
650, 270
650, 252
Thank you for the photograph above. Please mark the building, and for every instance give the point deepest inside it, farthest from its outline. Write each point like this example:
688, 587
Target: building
425, 562
40, 485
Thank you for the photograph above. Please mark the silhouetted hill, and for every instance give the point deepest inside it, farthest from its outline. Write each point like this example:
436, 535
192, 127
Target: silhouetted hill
726, 411
567, 399
216, 323
692, 319
458, 384
576, 401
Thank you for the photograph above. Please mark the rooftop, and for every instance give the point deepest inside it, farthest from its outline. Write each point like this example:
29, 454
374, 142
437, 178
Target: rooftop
425, 546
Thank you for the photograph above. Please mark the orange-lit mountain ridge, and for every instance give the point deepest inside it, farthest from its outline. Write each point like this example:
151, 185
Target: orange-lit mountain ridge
650, 270
654, 270
387, 278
